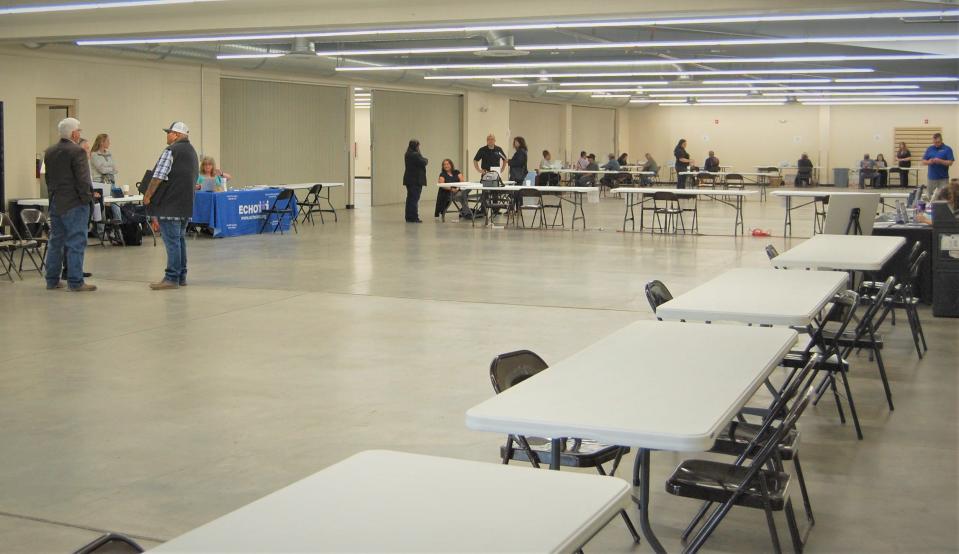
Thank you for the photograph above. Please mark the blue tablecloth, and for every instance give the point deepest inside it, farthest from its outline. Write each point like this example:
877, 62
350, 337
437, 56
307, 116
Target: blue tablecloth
237, 212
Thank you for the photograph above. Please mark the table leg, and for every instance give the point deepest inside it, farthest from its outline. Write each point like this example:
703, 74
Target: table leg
740, 224
555, 453
642, 471
788, 224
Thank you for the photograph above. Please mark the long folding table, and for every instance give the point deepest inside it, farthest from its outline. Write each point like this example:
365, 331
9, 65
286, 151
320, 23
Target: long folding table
816, 197
383, 501
576, 200
865, 253
645, 195
759, 178
644, 387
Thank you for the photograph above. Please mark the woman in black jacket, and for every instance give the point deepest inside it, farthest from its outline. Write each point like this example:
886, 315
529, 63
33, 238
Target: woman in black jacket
517, 164
414, 179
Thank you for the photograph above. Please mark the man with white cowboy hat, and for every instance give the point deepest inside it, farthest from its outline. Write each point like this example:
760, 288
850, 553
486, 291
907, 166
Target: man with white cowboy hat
169, 199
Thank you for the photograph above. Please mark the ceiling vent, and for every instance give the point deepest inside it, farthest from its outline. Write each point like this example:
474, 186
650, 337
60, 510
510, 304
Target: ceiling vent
302, 47
500, 46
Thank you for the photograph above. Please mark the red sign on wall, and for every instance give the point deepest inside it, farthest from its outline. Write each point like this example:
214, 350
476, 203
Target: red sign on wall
925, 122
716, 121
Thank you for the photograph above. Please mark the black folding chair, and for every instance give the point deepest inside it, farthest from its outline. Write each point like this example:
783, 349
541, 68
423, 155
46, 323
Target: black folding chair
735, 181
110, 543
904, 296
10, 246
314, 203
657, 294
530, 200
666, 204
36, 227
512, 368
283, 206
755, 481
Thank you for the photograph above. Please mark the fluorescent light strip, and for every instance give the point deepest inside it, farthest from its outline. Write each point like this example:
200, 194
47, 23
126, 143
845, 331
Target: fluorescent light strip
651, 73
899, 80
951, 101
763, 81
399, 51
867, 93
744, 89
50, 8
694, 95
655, 61
733, 42
593, 90
904, 99
250, 56
615, 83
509, 85
611, 96
362, 107
534, 26
361, 95
722, 104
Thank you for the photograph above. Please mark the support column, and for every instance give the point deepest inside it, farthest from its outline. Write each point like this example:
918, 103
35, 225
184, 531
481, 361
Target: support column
825, 143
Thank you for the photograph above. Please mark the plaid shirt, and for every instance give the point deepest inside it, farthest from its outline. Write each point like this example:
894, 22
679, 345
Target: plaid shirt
161, 171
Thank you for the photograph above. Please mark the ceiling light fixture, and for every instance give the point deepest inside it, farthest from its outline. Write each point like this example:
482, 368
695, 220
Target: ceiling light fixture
401, 51
899, 80
803, 17
616, 83
652, 73
49, 8
734, 42
866, 93
747, 103
510, 85
743, 89
698, 95
945, 101
763, 81
656, 61
250, 56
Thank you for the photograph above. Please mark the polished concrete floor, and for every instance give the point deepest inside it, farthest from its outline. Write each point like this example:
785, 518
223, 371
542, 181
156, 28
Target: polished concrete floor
150, 413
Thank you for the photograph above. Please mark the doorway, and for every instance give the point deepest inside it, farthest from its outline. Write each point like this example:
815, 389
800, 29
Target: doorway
362, 159
49, 113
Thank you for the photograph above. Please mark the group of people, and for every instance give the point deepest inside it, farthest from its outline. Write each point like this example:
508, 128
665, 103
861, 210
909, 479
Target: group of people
938, 157
70, 174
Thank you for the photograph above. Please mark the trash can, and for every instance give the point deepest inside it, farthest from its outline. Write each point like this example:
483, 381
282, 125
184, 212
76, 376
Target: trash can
840, 177
945, 262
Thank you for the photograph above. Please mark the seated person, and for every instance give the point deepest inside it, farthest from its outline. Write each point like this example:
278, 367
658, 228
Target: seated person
948, 194
804, 172
881, 176
588, 179
651, 166
712, 163
867, 170
211, 179
444, 197
611, 165
548, 178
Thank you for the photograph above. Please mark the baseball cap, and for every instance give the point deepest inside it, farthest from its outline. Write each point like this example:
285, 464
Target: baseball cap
178, 127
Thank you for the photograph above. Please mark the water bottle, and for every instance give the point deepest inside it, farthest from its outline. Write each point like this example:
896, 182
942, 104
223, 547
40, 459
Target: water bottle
922, 203
529, 180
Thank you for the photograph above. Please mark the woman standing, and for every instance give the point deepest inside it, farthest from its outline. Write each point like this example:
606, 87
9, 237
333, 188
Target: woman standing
683, 161
414, 179
102, 167
904, 161
517, 164
211, 178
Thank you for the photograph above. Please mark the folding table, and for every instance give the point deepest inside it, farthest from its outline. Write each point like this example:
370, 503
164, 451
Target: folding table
646, 195
760, 179
651, 385
816, 196
578, 193
844, 252
382, 501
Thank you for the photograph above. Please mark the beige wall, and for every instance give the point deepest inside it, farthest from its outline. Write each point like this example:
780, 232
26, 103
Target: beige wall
484, 113
746, 136
362, 141
594, 130
132, 101
541, 125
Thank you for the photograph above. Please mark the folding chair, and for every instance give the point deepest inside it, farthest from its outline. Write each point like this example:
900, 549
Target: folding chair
666, 204
36, 227
282, 206
657, 294
735, 181
512, 368
111, 231
313, 203
755, 481
112, 543
530, 200
903, 296
10, 246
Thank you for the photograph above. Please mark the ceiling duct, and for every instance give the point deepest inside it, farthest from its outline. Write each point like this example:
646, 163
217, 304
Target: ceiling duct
500, 45
302, 47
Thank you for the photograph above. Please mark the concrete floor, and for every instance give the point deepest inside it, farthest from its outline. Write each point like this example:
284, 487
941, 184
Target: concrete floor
150, 413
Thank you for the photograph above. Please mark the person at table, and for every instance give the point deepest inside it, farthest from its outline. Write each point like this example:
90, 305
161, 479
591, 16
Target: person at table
444, 196
803, 171
518, 164
612, 164
867, 170
211, 178
683, 161
623, 159
712, 163
169, 200
70, 194
938, 158
583, 161
414, 179
948, 194
881, 176
903, 162
588, 179
548, 166
104, 168
649, 166
490, 157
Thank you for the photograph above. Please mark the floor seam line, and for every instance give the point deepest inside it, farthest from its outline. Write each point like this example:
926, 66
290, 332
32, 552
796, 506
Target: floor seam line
77, 526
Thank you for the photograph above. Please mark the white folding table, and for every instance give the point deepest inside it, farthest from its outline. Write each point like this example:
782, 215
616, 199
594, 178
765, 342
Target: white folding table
578, 193
759, 178
45, 202
843, 252
646, 195
757, 296
645, 387
382, 501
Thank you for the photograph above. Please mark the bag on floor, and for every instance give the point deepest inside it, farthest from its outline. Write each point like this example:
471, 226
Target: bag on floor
132, 234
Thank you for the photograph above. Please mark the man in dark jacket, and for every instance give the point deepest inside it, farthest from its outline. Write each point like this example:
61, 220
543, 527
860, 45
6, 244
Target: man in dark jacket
169, 199
70, 189
414, 179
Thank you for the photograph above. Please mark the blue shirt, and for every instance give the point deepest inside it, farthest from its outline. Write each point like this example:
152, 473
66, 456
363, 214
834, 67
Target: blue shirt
938, 171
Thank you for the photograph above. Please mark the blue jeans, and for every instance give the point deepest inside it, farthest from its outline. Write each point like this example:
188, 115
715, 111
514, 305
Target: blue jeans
174, 239
412, 202
68, 233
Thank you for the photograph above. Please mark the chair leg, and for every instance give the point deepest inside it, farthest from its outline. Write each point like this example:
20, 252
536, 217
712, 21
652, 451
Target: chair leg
885, 380
852, 405
835, 393
770, 521
703, 510
798, 544
508, 455
802, 489
629, 526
